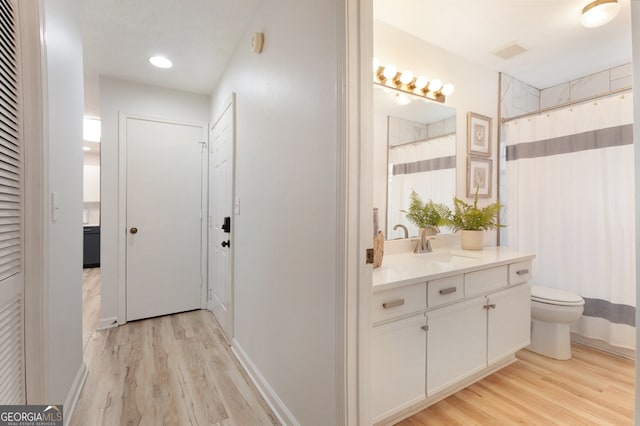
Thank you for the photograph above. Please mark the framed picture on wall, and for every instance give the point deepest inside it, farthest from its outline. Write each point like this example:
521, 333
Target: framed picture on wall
479, 177
478, 135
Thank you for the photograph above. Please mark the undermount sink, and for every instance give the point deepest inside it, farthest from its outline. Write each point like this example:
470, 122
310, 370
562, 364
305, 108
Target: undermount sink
447, 257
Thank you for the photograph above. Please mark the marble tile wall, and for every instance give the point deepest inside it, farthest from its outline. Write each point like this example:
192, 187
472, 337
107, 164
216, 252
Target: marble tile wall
591, 85
517, 97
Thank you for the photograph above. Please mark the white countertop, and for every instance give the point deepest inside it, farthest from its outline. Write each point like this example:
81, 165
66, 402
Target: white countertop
403, 269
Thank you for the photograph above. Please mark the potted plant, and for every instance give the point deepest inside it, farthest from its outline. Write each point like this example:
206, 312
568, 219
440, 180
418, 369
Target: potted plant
427, 215
473, 221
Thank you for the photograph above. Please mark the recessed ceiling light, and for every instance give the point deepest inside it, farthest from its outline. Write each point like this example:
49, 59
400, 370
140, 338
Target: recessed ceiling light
160, 62
599, 12
86, 148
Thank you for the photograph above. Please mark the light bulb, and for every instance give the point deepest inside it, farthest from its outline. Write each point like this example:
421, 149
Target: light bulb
447, 89
160, 62
435, 85
421, 82
390, 71
406, 77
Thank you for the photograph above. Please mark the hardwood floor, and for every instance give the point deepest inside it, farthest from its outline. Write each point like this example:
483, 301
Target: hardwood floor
171, 370
593, 388
90, 303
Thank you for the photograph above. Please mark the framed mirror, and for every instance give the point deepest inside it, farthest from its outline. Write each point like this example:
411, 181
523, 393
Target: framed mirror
414, 149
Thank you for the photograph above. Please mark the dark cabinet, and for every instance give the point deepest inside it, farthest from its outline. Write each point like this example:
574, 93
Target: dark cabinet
91, 247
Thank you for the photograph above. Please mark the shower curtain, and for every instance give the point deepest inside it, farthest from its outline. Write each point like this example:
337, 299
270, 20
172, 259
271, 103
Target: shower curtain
429, 168
570, 200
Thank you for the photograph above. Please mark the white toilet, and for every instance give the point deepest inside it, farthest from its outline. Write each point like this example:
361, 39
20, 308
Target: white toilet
552, 312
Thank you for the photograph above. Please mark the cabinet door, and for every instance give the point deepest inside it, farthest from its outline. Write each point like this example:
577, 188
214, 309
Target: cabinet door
398, 353
456, 343
509, 322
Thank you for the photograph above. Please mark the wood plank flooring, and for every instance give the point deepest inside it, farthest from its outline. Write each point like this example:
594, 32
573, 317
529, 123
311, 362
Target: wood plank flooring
90, 303
593, 388
171, 370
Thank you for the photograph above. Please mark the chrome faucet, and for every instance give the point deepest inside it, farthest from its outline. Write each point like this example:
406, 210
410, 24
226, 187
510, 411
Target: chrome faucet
406, 231
423, 245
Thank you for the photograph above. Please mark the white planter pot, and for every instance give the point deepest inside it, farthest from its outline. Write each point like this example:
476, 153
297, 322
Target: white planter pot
472, 240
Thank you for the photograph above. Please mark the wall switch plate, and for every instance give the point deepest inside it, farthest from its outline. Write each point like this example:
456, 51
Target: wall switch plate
236, 206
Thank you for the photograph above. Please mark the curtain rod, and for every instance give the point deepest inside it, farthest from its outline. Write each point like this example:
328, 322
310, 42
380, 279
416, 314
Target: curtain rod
422, 140
568, 104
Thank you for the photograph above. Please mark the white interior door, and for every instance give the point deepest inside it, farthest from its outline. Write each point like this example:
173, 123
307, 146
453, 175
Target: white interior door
163, 217
220, 207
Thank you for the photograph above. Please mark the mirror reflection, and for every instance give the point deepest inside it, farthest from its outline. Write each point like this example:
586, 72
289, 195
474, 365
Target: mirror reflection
415, 150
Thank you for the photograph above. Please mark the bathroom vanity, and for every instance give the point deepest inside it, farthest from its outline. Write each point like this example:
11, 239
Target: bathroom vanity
442, 321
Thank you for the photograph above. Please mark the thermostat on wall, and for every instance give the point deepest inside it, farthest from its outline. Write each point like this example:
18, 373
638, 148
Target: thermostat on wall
257, 42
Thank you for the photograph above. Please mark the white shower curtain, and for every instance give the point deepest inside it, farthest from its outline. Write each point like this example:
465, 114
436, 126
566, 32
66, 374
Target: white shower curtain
428, 167
570, 200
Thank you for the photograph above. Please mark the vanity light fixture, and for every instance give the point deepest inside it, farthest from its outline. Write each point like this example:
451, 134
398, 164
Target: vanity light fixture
160, 62
599, 12
406, 82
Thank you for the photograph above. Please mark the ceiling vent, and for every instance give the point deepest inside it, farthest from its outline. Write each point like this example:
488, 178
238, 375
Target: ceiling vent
510, 51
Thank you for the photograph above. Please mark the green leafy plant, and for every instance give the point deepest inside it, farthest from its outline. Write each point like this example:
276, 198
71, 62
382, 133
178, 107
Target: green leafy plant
427, 214
470, 217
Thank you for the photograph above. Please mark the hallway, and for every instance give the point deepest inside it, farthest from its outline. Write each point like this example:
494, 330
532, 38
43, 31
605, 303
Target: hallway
169, 370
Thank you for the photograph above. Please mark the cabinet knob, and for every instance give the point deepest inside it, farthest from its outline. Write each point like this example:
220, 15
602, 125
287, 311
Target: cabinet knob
133, 230
425, 327
490, 306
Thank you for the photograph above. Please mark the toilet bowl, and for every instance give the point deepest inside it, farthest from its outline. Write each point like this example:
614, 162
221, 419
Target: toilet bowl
552, 312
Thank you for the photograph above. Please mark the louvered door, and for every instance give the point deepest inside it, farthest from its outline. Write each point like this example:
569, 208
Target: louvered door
12, 373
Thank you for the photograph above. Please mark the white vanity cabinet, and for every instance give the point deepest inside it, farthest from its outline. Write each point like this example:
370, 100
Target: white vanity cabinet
456, 343
398, 352
439, 330
509, 322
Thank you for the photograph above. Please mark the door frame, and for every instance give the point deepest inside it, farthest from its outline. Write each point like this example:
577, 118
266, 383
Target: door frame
355, 218
122, 206
230, 103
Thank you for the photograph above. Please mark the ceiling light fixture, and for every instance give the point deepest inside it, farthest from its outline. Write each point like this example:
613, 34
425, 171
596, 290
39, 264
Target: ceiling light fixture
160, 62
406, 82
599, 12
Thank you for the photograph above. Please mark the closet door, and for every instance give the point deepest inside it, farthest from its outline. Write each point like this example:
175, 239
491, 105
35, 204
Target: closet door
12, 373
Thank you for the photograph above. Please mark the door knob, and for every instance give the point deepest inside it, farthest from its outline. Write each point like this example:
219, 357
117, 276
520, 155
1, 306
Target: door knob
226, 243
133, 230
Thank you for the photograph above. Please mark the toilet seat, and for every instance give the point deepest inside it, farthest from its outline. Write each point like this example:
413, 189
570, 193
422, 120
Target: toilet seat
554, 296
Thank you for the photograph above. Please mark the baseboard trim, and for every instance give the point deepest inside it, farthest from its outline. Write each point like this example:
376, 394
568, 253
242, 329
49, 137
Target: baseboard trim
273, 400
603, 346
107, 323
74, 393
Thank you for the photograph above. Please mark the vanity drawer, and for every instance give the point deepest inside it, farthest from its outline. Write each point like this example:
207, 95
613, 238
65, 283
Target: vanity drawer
445, 290
479, 282
397, 302
520, 272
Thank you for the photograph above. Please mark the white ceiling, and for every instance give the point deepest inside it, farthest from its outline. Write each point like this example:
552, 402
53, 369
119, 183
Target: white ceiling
559, 49
199, 36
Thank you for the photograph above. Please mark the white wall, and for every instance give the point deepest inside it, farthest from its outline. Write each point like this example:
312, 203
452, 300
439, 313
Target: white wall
476, 87
285, 236
62, 72
138, 99
91, 209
